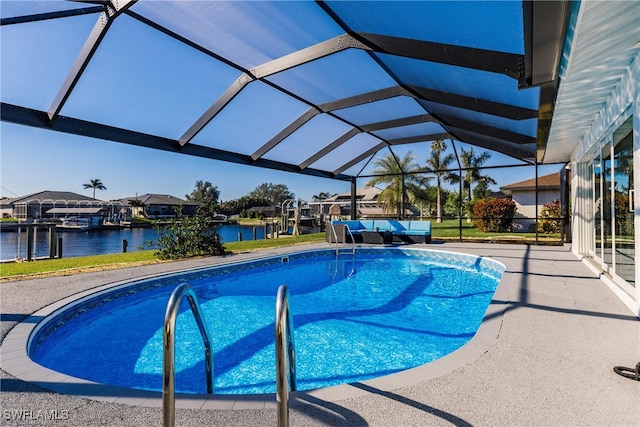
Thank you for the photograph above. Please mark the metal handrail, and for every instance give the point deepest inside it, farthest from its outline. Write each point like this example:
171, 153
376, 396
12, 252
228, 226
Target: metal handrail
335, 235
168, 374
285, 355
353, 240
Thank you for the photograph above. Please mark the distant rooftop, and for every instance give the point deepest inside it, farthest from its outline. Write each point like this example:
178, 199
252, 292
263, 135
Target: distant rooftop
52, 196
159, 199
546, 182
363, 194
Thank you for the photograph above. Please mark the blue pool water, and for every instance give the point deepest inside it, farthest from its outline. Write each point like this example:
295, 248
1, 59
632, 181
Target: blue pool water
392, 310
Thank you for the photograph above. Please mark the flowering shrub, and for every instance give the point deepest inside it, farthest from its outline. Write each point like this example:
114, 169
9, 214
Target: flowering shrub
550, 220
492, 215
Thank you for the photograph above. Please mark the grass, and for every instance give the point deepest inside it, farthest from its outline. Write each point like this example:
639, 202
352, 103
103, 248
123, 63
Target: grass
76, 264
252, 245
63, 266
256, 221
448, 229
451, 228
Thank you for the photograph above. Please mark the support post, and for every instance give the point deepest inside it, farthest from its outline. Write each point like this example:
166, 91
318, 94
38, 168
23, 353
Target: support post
52, 242
460, 205
536, 223
565, 190
59, 251
453, 145
403, 202
35, 242
354, 189
29, 241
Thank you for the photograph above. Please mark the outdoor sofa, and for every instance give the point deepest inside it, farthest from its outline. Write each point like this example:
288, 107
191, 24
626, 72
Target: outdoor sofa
380, 231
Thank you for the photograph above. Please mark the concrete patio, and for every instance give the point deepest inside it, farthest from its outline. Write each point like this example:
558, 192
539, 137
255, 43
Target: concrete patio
544, 356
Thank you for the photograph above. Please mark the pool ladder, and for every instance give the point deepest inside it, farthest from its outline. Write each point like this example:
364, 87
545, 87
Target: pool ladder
285, 352
353, 250
168, 373
335, 236
285, 356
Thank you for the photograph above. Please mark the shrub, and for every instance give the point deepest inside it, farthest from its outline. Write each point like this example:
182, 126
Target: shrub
492, 215
188, 236
550, 220
451, 206
624, 216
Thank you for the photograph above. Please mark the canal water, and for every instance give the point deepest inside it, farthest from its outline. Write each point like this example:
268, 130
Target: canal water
98, 242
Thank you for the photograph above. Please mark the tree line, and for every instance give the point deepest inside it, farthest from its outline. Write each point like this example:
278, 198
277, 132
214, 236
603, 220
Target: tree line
423, 186
266, 194
418, 191
390, 172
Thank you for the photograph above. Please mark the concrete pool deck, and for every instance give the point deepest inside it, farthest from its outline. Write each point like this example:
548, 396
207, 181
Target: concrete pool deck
543, 356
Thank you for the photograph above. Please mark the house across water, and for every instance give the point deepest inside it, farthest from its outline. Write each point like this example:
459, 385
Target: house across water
75, 211
49, 205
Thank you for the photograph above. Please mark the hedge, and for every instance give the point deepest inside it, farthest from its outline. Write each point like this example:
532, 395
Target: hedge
494, 215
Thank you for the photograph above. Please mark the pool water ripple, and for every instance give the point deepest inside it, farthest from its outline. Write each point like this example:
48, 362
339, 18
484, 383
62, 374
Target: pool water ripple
399, 309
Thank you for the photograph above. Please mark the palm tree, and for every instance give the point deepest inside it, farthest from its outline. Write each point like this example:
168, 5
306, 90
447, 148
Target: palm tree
472, 163
390, 171
323, 195
95, 184
437, 164
418, 188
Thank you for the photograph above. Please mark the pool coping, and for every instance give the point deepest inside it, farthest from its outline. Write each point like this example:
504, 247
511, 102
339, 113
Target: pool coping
16, 361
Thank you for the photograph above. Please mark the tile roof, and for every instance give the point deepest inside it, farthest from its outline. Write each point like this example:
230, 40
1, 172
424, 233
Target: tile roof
48, 195
546, 182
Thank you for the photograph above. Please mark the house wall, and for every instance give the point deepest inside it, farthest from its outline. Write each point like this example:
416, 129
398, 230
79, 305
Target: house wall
594, 228
526, 207
160, 211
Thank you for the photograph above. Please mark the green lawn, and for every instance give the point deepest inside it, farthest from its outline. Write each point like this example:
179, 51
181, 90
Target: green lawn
10, 269
448, 229
250, 245
97, 262
256, 221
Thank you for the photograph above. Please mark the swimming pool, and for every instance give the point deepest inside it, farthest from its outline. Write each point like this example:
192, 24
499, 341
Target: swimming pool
391, 310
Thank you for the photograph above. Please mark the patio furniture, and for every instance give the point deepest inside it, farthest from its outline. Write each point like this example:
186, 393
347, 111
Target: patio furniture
401, 231
377, 237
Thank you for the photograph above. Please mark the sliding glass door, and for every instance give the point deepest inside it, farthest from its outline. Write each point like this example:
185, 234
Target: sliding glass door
623, 192
598, 205
607, 189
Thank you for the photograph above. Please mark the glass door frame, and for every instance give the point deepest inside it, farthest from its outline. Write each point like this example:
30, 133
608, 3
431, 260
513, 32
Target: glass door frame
605, 150
618, 139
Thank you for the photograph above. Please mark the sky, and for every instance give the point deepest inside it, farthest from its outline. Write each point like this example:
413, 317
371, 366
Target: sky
34, 160
131, 85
